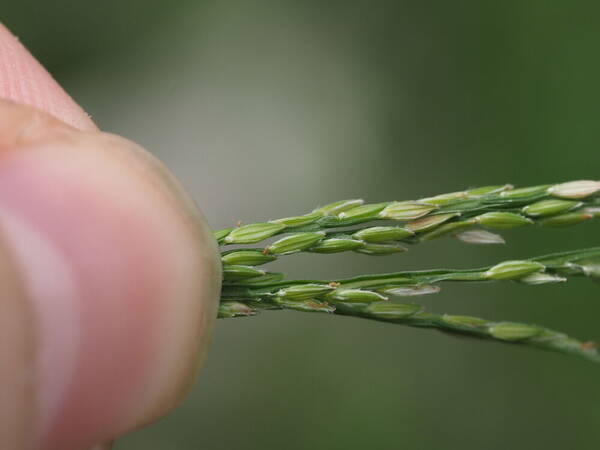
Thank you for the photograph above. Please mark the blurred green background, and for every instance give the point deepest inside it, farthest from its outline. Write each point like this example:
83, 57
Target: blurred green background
267, 109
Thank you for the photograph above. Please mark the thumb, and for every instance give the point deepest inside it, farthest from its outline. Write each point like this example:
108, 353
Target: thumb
110, 274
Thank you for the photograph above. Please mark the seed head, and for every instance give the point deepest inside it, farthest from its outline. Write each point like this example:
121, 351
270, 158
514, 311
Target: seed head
362, 212
310, 305
263, 280
508, 331
593, 210
391, 311
380, 249
523, 193
446, 228
304, 291
480, 237
591, 269
566, 220
513, 270
229, 309
336, 245
410, 290
429, 222
254, 232
333, 209
382, 234
356, 296
298, 221
542, 278
406, 210
550, 207
503, 220
294, 243
246, 258
221, 234
575, 189
445, 199
238, 272
488, 190
464, 321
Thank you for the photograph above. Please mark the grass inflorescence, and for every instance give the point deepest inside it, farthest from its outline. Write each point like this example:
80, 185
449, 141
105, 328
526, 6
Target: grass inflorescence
351, 225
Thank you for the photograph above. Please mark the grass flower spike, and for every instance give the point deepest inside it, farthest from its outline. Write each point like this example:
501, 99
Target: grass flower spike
392, 227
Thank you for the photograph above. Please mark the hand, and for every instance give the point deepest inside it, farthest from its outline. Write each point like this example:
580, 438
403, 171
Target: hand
110, 276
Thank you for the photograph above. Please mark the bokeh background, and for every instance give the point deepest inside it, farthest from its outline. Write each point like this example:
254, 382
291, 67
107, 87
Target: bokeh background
269, 108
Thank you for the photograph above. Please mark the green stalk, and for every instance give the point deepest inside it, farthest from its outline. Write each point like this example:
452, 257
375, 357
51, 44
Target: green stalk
414, 316
368, 297
551, 268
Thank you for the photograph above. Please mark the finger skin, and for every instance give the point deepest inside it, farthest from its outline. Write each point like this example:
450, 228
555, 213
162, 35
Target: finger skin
56, 323
127, 296
24, 80
17, 353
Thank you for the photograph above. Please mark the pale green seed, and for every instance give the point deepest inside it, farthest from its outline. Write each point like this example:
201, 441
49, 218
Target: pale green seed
391, 311
480, 237
565, 220
444, 199
589, 266
503, 220
247, 258
593, 210
508, 331
255, 232
238, 272
542, 278
591, 270
229, 309
336, 245
333, 209
362, 212
465, 276
356, 296
445, 229
406, 210
221, 234
488, 190
295, 243
380, 249
550, 207
298, 221
304, 291
382, 234
429, 222
410, 290
516, 194
464, 321
307, 306
266, 279
510, 270
575, 189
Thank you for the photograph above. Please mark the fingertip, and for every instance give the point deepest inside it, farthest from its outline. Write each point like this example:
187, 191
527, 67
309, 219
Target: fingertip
17, 343
24, 80
120, 269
